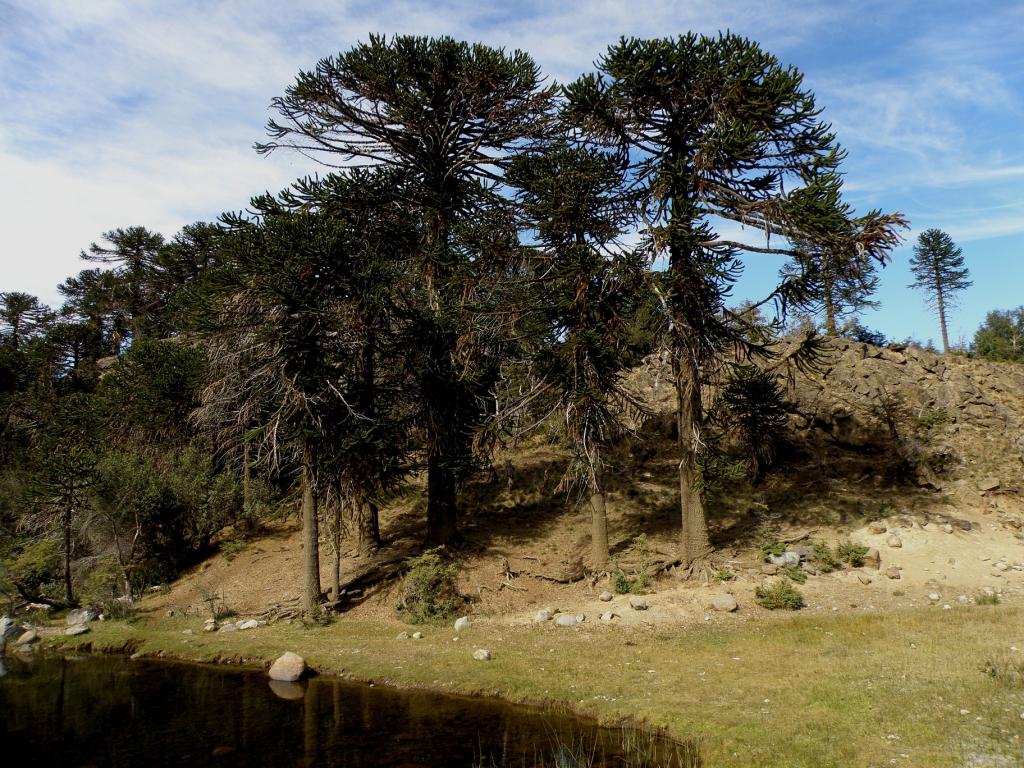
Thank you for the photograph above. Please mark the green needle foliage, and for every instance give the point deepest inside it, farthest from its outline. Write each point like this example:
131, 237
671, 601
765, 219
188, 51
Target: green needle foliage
939, 271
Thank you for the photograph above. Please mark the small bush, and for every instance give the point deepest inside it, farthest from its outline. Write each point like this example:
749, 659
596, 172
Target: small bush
930, 419
824, 558
1006, 671
794, 573
38, 566
986, 598
781, 594
724, 574
643, 574
768, 544
430, 589
217, 604
849, 552
232, 548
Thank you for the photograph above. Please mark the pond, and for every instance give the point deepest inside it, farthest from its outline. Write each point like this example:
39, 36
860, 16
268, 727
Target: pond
109, 711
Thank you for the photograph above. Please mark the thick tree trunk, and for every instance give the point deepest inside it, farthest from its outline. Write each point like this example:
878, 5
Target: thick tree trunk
442, 514
336, 547
695, 543
310, 535
941, 302
598, 529
367, 528
69, 593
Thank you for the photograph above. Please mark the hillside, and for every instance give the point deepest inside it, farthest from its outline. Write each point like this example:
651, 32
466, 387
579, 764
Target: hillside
883, 442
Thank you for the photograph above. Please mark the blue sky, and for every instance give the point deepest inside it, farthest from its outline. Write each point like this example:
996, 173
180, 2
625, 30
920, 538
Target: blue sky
121, 113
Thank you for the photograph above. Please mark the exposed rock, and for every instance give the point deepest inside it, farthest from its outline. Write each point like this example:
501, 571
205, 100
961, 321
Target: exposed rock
77, 629
877, 527
934, 597
947, 528
544, 614
769, 570
1001, 566
894, 541
605, 597
566, 620
288, 667
988, 484
809, 568
210, 626
417, 635
892, 572
462, 623
724, 602
247, 624
27, 637
872, 559
802, 551
786, 558
482, 654
81, 616
637, 603
863, 578
964, 600
609, 616
402, 636
9, 628
229, 627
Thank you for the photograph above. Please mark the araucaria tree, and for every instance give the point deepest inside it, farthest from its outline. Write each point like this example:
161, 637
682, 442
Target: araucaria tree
716, 129
448, 115
938, 269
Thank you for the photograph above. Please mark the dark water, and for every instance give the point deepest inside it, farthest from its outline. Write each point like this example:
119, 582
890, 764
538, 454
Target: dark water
108, 711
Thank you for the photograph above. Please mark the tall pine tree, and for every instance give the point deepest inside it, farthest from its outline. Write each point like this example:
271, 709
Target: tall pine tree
939, 270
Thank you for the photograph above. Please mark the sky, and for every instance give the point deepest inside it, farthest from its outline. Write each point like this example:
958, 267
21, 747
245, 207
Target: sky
136, 112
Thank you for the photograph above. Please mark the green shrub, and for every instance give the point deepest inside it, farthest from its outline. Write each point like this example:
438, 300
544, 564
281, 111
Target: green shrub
768, 544
795, 573
430, 589
781, 594
38, 564
930, 419
825, 558
232, 548
986, 598
852, 553
643, 573
724, 574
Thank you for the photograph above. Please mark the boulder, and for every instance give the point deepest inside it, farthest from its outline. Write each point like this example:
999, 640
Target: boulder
877, 527
769, 570
934, 597
81, 616
863, 578
462, 623
988, 484
210, 626
894, 541
566, 620
637, 603
786, 558
482, 654
229, 627
605, 597
417, 635
947, 528
724, 602
543, 615
9, 628
27, 637
288, 667
892, 572
872, 559
609, 616
77, 629
247, 624
402, 636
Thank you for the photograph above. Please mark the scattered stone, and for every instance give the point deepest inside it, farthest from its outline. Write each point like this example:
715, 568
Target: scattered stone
892, 572
81, 616
877, 527
184, 632
9, 629
988, 484
872, 559
965, 525
934, 597
462, 623
1001, 566
248, 624
288, 668
609, 616
964, 600
566, 620
417, 635
543, 615
229, 627
769, 570
809, 568
863, 578
482, 654
725, 602
894, 541
637, 603
605, 597
581, 617
803, 551
402, 636
210, 626
77, 629
786, 558
27, 637
947, 528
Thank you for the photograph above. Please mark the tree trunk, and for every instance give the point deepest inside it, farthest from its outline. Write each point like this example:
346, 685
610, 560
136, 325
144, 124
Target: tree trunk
336, 546
598, 530
310, 534
367, 528
941, 302
695, 543
442, 517
69, 592
830, 307
246, 480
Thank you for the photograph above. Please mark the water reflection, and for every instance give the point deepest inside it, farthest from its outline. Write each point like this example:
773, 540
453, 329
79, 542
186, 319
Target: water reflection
112, 712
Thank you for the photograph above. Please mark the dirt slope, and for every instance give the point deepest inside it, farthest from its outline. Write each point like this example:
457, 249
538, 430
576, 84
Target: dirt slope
931, 448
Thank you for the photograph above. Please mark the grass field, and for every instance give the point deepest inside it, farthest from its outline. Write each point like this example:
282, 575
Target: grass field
903, 688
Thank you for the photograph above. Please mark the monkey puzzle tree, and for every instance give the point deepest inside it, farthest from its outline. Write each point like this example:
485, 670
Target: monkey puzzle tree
938, 269
836, 285
572, 198
449, 115
22, 316
715, 130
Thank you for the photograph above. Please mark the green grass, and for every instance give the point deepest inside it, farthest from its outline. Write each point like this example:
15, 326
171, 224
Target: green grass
803, 691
